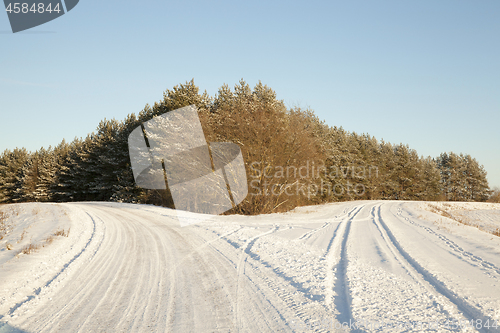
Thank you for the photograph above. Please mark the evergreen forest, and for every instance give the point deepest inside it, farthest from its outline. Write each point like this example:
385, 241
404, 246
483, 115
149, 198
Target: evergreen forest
292, 159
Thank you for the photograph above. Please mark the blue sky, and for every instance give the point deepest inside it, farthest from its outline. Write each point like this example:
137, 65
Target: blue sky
423, 73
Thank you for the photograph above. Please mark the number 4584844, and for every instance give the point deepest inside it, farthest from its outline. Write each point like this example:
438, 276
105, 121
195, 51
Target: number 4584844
24, 8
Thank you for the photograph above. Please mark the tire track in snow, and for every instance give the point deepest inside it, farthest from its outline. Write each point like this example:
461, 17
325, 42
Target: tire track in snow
424, 277
58, 277
110, 296
196, 271
250, 296
310, 233
284, 296
172, 277
243, 257
458, 251
94, 278
281, 295
144, 295
263, 311
211, 279
303, 311
337, 296
130, 287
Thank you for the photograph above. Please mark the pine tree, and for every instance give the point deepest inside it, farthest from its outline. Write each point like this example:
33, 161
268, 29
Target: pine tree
53, 170
73, 178
47, 167
463, 178
477, 188
101, 164
432, 180
26, 180
11, 163
388, 182
180, 96
406, 173
450, 175
125, 189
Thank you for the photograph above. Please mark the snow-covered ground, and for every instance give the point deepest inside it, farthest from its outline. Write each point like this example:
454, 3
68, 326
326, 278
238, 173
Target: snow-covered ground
485, 216
365, 266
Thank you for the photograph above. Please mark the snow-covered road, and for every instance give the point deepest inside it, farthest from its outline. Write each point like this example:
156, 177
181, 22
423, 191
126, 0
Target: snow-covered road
366, 266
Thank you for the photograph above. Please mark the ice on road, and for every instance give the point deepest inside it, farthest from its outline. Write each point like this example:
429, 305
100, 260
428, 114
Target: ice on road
364, 266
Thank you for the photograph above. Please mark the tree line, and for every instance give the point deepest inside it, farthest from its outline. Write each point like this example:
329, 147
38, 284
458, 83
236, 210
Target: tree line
291, 157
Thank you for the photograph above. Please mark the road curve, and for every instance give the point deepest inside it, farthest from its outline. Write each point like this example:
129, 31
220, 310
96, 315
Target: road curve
339, 267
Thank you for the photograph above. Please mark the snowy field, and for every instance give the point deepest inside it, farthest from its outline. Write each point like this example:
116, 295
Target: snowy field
364, 266
485, 216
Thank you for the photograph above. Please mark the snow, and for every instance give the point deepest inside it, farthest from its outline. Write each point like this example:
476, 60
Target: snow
371, 266
485, 216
